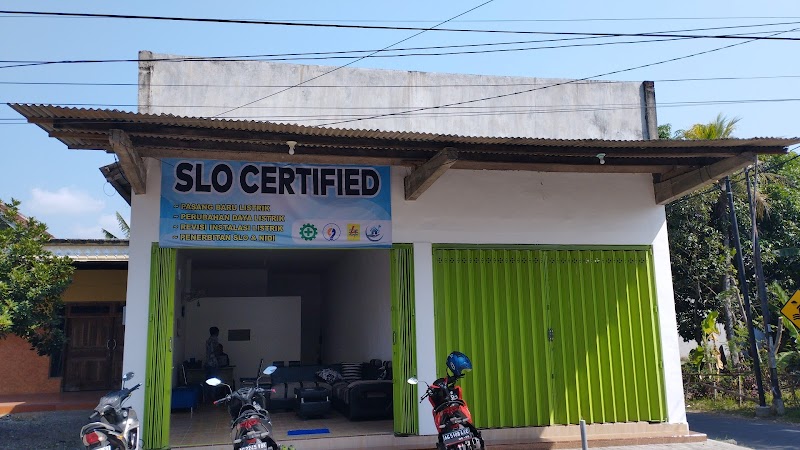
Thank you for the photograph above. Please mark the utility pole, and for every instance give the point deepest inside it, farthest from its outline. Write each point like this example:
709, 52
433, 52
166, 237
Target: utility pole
762, 409
777, 401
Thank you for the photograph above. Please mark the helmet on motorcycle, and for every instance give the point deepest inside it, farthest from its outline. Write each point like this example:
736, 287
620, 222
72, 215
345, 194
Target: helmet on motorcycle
458, 363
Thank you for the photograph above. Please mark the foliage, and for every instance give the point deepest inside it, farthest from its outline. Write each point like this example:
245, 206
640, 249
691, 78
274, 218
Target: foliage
31, 283
719, 128
698, 228
665, 131
123, 225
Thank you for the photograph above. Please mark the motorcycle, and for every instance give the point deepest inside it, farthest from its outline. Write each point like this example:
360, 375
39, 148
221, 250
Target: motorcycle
251, 426
118, 426
451, 414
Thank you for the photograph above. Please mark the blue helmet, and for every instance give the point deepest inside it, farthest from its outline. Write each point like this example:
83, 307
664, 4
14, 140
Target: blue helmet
458, 363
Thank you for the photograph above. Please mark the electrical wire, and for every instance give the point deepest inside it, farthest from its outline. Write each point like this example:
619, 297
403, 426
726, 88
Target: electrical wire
354, 61
373, 86
556, 84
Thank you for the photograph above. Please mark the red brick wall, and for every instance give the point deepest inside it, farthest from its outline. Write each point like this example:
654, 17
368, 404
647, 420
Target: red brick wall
22, 371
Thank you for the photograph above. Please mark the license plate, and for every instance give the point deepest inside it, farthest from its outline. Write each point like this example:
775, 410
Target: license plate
105, 447
256, 446
456, 435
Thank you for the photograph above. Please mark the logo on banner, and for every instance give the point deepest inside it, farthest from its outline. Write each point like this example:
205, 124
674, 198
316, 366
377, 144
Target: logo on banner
353, 232
308, 232
373, 233
331, 232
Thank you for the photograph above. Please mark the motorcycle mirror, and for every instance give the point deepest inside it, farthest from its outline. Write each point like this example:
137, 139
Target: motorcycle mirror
269, 370
413, 380
127, 376
213, 381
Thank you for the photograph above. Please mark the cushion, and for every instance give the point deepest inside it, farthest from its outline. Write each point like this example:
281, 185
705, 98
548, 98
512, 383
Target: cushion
330, 376
351, 371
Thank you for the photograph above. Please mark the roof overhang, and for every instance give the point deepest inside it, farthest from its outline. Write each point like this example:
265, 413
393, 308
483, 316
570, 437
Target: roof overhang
92, 253
678, 166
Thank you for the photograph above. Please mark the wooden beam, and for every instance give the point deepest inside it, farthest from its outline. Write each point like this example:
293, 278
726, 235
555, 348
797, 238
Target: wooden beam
129, 160
676, 187
425, 175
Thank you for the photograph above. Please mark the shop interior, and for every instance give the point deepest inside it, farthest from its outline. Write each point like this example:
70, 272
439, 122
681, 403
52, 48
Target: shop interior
301, 310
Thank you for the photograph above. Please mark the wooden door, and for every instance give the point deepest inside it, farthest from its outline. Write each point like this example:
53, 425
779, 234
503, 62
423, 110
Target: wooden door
93, 359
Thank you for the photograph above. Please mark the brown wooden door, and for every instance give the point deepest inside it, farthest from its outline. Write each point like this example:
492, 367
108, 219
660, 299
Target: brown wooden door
93, 359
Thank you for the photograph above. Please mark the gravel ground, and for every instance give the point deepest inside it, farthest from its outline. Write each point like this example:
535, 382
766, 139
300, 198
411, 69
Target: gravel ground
52, 430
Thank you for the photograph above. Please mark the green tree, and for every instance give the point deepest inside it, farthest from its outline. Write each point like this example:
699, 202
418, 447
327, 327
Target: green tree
31, 282
123, 225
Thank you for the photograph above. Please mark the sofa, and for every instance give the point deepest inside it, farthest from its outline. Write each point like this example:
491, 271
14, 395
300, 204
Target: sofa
361, 391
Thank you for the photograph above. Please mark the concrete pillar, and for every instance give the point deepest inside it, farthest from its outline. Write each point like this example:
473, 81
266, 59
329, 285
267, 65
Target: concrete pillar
426, 330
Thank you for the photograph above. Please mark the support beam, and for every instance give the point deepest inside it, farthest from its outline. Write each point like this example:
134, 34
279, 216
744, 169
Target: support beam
425, 175
674, 188
129, 160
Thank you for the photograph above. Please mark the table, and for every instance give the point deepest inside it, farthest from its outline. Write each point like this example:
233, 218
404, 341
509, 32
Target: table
197, 376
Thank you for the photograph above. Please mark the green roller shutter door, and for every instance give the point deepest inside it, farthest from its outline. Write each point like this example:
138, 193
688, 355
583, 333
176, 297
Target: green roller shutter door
555, 335
158, 379
404, 343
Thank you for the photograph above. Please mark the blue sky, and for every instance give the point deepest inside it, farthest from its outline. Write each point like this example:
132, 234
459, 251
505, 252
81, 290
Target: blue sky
65, 189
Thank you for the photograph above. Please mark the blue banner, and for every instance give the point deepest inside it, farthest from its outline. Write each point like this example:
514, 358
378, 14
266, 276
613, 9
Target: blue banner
233, 204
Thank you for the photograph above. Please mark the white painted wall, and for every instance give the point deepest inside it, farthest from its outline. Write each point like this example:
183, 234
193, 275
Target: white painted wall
426, 330
357, 307
417, 89
144, 231
308, 286
274, 324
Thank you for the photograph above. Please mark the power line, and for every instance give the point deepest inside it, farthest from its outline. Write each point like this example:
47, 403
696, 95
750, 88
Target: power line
556, 84
357, 60
339, 25
475, 111
372, 86
665, 36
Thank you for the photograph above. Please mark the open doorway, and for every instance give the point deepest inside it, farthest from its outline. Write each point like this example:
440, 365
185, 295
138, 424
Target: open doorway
304, 310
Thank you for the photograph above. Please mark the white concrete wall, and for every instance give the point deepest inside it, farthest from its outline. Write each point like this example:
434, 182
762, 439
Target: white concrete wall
308, 286
528, 120
274, 324
357, 308
144, 231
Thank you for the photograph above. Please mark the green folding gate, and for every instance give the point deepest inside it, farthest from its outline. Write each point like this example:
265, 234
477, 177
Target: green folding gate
403, 340
158, 380
555, 335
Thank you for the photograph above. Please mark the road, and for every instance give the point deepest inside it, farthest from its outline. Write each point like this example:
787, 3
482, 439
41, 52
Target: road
754, 433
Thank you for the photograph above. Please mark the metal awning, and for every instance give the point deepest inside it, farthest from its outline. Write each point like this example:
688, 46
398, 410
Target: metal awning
679, 166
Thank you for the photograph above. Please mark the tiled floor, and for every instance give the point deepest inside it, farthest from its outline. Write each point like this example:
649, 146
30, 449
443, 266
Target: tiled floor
49, 402
211, 425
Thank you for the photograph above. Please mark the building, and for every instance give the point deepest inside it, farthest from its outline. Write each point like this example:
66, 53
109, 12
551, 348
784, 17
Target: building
94, 305
527, 230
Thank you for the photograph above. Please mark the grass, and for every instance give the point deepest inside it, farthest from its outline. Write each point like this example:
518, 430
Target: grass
747, 408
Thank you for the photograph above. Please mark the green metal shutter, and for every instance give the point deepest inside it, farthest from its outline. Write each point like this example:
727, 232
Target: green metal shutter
404, 337
158, 380
500, 305
490, 304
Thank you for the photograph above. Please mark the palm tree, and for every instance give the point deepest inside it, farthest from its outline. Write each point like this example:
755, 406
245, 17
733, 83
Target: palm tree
123, 225
719, 128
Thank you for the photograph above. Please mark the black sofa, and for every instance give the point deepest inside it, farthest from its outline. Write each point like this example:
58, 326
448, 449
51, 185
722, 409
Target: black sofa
367, 398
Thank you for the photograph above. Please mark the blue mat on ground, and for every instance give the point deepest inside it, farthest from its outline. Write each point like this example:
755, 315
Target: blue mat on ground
313, 431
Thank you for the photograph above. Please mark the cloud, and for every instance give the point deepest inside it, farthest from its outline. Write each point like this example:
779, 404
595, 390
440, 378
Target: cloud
90, 232
63, 201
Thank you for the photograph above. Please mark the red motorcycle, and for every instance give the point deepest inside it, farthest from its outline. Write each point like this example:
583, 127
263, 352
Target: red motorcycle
450, 412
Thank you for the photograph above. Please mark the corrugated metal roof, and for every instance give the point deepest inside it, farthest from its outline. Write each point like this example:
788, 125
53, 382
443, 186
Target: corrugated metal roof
44, 114
90, 250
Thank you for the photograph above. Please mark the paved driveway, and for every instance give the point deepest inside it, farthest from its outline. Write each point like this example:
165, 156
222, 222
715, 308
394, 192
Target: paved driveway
752, 433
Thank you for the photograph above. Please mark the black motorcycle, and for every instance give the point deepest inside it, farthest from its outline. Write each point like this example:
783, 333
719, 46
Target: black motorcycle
251, 426
118, 426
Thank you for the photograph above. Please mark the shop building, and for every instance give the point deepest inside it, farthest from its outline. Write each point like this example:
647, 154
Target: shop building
529, 233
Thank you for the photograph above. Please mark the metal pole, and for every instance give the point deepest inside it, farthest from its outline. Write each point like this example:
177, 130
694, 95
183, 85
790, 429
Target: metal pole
584, 442
777, 401
746, 294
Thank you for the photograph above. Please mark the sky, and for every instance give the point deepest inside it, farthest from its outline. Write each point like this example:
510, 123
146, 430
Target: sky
65, 189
